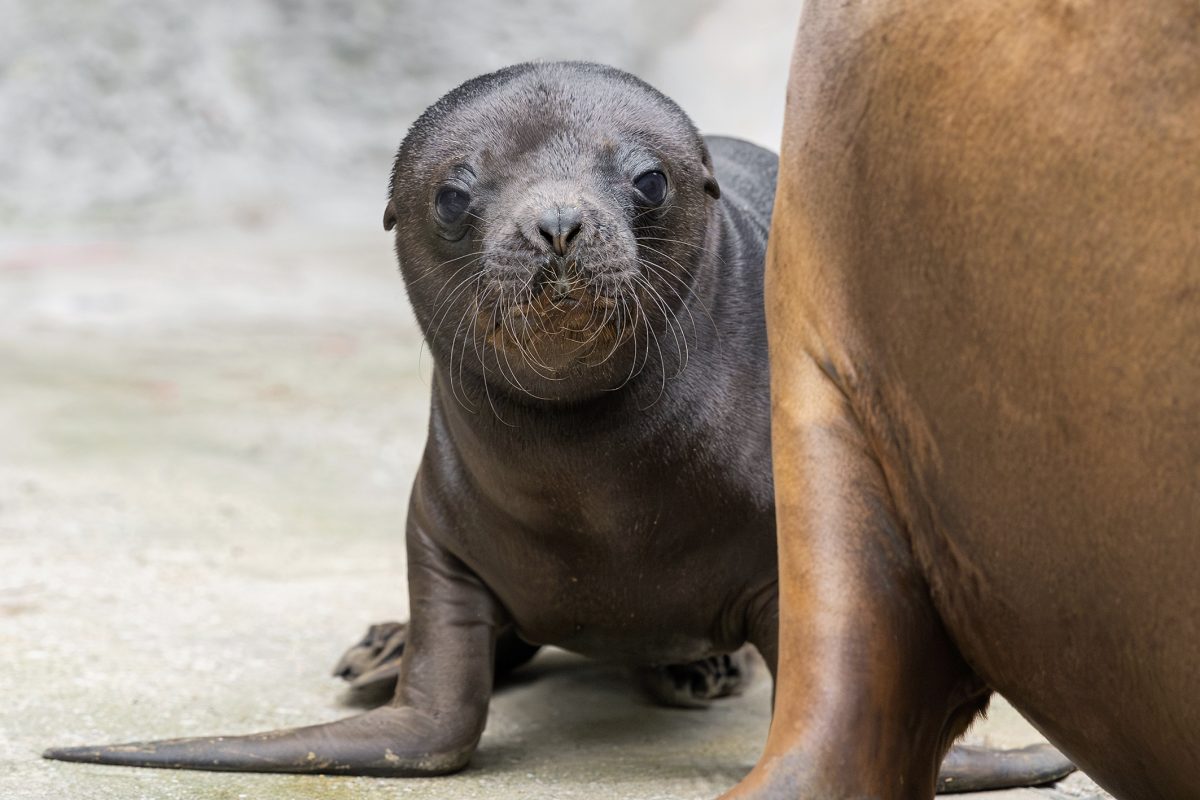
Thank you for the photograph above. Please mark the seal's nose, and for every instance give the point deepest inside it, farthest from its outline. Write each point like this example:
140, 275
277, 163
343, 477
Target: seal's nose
559, 226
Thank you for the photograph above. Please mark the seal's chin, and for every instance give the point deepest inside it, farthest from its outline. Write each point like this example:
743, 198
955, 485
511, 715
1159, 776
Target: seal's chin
554, 331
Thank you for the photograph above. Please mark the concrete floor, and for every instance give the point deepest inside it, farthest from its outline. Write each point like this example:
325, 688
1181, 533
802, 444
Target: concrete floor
205, 452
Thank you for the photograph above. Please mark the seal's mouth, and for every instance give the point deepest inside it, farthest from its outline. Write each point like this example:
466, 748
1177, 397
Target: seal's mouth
551, 329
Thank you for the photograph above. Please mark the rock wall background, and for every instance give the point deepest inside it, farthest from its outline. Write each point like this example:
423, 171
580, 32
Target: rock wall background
128, 114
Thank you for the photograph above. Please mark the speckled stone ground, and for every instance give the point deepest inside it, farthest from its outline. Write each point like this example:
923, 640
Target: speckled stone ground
204, 461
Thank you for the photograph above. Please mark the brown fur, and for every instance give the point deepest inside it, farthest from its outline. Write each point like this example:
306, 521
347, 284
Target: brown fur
983, 299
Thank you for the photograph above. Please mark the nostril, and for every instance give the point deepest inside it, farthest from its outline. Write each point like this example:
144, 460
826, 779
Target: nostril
548, 226
559, 227
571, 222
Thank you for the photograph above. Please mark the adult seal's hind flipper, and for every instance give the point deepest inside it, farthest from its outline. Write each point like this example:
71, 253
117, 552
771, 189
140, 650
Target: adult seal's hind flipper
975, 769
384, 742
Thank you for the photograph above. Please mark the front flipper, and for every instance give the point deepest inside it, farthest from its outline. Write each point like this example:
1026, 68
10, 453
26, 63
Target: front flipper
975, 769
697, 684
431, 727
389, 741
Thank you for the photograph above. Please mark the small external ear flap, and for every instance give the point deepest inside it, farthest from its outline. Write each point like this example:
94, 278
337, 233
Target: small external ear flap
711, 187
389, 216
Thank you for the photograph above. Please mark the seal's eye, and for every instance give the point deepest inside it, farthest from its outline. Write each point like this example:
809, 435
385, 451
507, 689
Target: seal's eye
451, 204
653, 186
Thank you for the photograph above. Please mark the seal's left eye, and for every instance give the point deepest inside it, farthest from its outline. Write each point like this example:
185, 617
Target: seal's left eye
451, 204
653, 186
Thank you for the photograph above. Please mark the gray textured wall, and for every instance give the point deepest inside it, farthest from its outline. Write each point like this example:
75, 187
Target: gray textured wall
149, 115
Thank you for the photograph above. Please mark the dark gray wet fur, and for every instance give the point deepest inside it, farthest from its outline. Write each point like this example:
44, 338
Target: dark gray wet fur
597, 474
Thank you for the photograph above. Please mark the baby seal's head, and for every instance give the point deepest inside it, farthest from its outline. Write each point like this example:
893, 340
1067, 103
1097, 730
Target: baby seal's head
549, 222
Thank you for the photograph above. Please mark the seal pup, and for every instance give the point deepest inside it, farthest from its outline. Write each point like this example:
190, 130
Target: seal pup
983, 302
597, 472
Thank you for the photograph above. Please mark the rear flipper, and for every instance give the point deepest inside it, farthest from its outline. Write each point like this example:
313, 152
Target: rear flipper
374, 661
375, 658
973, 769
697, 684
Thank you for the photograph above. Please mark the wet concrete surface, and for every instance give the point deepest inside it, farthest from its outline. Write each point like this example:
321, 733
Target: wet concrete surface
206, 449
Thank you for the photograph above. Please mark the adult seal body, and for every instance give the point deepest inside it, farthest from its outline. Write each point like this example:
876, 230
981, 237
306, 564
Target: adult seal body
983, 302
597, 472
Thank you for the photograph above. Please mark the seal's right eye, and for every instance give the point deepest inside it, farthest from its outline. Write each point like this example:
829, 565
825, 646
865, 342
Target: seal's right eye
451, 204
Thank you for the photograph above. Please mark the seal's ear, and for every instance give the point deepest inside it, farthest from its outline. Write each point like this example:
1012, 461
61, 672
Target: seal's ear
711, 187
389, 216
